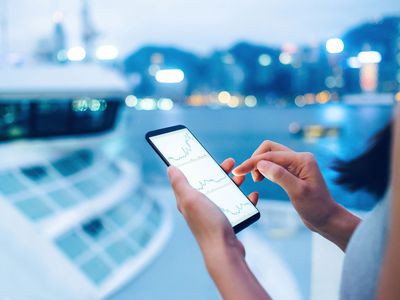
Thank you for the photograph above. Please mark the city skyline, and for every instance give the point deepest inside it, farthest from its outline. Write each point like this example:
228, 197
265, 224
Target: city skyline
147, 23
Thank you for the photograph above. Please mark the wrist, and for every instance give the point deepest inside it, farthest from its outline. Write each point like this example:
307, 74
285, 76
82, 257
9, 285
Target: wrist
339, 226
228, 253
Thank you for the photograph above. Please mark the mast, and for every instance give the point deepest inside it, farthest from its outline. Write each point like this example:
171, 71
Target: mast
89, 32
4, 42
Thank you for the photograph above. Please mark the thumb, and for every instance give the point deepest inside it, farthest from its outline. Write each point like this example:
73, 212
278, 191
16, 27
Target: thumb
179, 183
279, 175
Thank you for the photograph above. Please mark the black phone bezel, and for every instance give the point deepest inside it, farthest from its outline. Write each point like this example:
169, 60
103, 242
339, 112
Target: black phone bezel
237, 228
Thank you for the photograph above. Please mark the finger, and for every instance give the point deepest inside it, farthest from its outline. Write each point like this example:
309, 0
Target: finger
238, 180
280, 176
282, 158
227, 165
242, 250
253, 197
266, 146
179, 183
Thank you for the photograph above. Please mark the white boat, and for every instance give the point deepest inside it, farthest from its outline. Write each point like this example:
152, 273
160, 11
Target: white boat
75, 222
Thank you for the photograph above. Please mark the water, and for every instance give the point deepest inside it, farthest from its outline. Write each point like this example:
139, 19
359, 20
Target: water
237, 133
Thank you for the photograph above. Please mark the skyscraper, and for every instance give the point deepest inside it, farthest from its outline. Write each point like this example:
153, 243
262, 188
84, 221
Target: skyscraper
59, 37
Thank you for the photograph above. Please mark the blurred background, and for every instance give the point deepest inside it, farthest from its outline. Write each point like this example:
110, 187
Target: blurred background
85, 208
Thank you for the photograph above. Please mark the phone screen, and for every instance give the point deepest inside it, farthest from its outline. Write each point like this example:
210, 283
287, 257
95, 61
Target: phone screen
181, 149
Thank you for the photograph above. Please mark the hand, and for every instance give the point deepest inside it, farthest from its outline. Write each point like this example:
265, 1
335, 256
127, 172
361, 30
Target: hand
223, 252
206, 221
299, 175
208, 224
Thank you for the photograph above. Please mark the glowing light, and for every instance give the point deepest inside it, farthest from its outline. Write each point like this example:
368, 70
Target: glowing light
196, 100
250, 101
334, 114
300, 101
107, 52
131, 101
264, 60
323, 97
289, 48
80, 105
153, 69
310, 98
94, 105
85, 104
170, 76
313, 131
397, 97
234, 102
330, 82
157, 58
147, 104
285, 58
369, 77
224, 97
165, 104
369, 57
353, 62
76, 53
334, 45
294, 128
62, 56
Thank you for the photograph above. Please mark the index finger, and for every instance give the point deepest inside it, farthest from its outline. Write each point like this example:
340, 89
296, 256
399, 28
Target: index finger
266, 146
282, 158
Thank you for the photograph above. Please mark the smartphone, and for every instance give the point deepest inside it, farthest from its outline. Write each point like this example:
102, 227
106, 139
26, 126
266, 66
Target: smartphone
177, 146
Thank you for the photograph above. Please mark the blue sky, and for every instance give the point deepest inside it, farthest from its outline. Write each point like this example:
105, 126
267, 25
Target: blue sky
200, 26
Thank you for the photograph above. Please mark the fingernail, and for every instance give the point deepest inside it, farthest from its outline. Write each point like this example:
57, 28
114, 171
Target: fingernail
262, 164
253, 175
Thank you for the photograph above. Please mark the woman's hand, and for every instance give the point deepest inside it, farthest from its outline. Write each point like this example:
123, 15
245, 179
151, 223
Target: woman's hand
223, 252
208, 224
206, 221
299, 175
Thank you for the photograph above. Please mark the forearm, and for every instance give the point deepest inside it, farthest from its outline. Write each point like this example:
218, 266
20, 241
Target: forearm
339, 227
231, 274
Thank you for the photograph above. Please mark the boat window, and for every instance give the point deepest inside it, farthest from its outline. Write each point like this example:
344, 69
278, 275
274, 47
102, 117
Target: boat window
96, 269
72, 245
51, 117
141, 236
122, 214
155, 215
63, 198
89, 187
34, 208
37, 174
97, 228
121, 251
110, 173
14, 120
74, 163
10, 184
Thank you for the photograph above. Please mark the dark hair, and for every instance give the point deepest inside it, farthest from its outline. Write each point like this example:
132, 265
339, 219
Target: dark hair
370, 170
